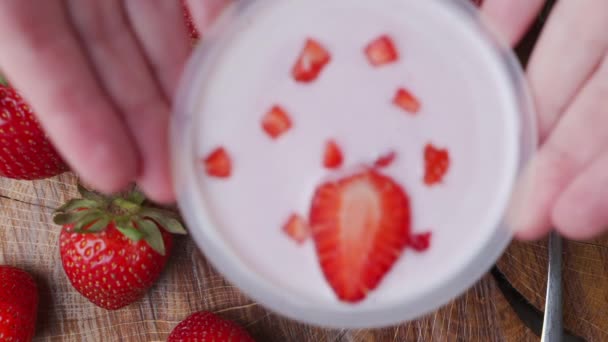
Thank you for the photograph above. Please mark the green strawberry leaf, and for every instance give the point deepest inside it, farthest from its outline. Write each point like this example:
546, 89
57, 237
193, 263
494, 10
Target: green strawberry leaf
99, 225
169, 223
91, 195
126, 205
77, 204
3, 81
136, 197
91, 217
125, 226
70, 218
153, 236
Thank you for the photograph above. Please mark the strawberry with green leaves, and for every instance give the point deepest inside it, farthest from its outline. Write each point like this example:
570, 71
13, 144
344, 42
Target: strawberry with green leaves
18, 305
25, 151
113, 249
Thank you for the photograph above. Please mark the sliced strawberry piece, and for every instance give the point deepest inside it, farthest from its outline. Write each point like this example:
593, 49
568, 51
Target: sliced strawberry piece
297, 228
276, 122
360, 225
420, 242
385, 160
437, 163
381, 51
406, 101
311, 62
218, 163
333, 155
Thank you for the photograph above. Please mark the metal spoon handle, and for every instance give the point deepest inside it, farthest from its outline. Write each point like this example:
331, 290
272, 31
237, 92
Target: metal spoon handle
553, 321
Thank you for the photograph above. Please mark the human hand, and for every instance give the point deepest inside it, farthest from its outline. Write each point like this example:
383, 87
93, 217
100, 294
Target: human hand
566, 184
101, 76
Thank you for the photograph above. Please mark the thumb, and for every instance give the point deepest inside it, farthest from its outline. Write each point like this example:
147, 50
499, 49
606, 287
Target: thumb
510, 19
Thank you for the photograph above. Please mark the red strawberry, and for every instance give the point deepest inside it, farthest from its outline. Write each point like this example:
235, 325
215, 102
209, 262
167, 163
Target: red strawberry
25, 151
218, 163
114, 248
385, 160
205, 326
276, 122
437, 163
381, 51
360, 225
18, 305
297, 228
192, 31
333, 155
406, 101
311, 62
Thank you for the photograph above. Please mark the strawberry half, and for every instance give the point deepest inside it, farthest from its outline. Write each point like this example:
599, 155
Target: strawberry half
436, 164
218, 163
25, 151
332, 158
360, 225
311, 62
406, 101
113, 249
297, 228
276, 122
18, 305
205, 326
381, 51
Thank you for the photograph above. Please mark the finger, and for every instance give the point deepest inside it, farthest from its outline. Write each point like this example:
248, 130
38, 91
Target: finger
128, 80
204, 12
578, 139
159, 27
568, 52
511, 19
45, 63
581, 212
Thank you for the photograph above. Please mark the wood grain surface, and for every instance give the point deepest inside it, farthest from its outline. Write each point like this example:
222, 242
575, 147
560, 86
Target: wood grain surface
28, 239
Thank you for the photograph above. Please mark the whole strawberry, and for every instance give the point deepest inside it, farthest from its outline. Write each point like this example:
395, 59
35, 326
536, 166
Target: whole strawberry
18, 305
113, 249
207, 327
25, 152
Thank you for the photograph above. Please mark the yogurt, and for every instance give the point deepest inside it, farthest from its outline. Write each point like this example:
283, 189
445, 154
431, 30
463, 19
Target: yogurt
470, 105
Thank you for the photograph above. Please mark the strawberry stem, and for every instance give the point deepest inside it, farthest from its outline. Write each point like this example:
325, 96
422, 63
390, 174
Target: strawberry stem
3, 81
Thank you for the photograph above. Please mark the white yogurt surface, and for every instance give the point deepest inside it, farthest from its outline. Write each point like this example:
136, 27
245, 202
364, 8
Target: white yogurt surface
465, 108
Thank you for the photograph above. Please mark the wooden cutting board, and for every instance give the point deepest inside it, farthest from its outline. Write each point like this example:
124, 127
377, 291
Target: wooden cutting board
29, 239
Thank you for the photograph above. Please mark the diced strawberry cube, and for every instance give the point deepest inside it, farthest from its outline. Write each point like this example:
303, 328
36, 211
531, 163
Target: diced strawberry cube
437, 163
297, 228
333, 155
385, 160
406, 101
218, 163
311, 61
276, 122
381, 51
